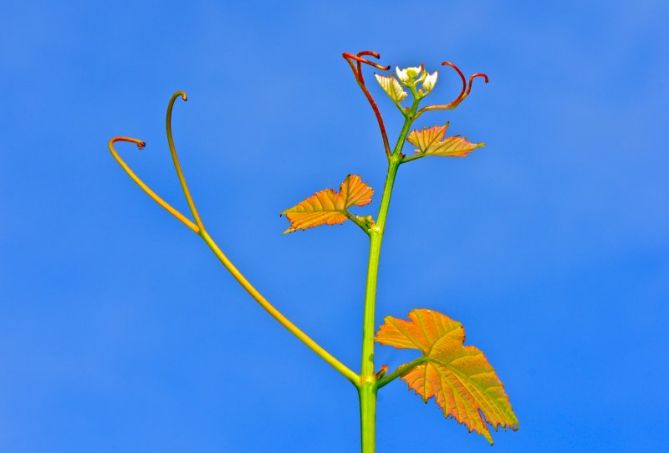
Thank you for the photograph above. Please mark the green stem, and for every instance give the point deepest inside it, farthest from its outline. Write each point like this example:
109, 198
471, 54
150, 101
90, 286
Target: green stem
400, 371
367, 394
410, 158
368, 380
367, 389
198, 228
276, 314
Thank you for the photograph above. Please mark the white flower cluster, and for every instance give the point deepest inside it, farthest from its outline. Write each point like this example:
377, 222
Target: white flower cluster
410, 77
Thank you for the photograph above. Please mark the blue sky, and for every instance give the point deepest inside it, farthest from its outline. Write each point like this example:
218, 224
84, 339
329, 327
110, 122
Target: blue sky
119, 332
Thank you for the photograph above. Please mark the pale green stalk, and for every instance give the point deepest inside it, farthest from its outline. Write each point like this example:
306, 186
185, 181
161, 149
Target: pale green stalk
368, 381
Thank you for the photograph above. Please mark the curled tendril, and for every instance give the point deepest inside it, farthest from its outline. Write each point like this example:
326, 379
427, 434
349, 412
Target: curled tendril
175, 157
464, 90
200, 230
197, 226
355, 62
142, 185
473, 76
358, 58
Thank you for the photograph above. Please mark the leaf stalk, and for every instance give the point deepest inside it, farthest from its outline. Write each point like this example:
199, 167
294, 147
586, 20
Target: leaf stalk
400, 371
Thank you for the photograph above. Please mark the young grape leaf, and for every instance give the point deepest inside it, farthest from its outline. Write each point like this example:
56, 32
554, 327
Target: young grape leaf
430, 141
392, 87
460, 378
328, 207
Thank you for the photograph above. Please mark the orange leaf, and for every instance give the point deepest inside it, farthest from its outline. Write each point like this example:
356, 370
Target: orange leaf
460, 378
431, 141
328, 207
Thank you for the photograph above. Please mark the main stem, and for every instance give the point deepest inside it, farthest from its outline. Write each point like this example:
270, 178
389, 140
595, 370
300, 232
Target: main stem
367, 388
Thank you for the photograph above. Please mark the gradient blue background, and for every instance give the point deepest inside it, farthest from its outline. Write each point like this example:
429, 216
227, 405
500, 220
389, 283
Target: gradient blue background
119, 332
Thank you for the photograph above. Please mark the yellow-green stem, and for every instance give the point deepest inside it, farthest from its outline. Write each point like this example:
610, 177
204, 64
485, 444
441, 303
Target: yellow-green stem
198, 228
368, 387
276, 314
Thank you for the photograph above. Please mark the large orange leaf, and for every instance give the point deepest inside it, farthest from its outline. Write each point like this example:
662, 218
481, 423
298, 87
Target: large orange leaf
430, 141
460, 378
328, 207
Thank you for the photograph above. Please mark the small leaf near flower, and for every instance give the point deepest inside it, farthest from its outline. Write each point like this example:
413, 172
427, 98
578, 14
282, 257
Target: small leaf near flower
392, 87
328, 207
430, 141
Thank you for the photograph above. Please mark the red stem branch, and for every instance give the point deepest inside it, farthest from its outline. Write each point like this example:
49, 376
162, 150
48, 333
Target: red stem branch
357, 73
